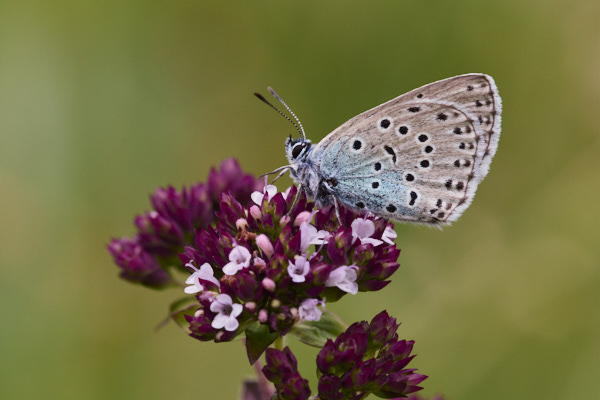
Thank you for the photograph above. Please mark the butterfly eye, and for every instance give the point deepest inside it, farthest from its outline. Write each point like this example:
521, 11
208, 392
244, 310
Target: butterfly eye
297, 150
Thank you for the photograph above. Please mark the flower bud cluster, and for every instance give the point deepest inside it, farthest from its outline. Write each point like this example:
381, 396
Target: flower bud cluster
366, 359
163, 232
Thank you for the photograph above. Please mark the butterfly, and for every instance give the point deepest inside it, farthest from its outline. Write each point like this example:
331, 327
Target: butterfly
416, 158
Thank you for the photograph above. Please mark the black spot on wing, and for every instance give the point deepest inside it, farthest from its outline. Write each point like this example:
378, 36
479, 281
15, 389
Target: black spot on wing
391, 152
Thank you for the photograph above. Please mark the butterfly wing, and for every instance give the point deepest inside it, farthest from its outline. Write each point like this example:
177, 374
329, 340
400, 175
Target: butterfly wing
418, 157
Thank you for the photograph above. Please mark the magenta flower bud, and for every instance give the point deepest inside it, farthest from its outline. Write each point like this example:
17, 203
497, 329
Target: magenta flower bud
263, 242
241, 223
255, 212
329, 388
250, 307
199, 313
263, 315
303, 218
269, 284
383, 329
246, 288
284, 221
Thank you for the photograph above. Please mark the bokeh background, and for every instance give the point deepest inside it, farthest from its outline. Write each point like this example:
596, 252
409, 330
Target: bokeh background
103, 101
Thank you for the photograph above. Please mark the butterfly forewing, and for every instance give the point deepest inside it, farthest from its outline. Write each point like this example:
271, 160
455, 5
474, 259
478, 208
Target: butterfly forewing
418, 157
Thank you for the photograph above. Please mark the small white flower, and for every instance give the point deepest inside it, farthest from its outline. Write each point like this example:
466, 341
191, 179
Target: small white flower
389, 234
239, 258
363, 229
227, 313
344, 277
309, 310
299, 269
258, 197
309, 235
205, 273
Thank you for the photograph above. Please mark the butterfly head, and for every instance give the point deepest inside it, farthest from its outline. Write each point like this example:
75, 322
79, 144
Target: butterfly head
297, 149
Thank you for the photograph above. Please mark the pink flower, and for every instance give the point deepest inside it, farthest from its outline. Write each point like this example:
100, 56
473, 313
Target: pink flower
239, 258
205, 273
310, 235
259, 197
363, 229
344, 277
227, 313
309, 310
299, 269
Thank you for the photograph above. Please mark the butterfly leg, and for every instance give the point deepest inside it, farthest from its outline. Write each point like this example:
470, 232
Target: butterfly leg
280, 170
296, 197
279, 176
337, 210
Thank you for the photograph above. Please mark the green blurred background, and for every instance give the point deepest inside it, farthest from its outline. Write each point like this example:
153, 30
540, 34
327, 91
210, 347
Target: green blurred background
101, 102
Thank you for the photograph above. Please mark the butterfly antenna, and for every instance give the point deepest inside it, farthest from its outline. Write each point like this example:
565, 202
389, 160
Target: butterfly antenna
290, 110
261, 97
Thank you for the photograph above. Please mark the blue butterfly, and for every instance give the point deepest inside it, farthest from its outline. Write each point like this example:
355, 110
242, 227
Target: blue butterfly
416, 158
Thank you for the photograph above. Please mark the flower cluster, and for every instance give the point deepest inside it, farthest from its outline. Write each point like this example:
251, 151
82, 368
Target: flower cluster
279, 261
162, 233
365, 359
259, 261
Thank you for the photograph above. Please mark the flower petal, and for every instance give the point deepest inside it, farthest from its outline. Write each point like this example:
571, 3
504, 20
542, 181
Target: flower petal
231, 324
362, 228
344, 278
389, 234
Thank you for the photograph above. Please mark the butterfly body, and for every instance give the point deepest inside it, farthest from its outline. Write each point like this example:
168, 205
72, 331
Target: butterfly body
416, 158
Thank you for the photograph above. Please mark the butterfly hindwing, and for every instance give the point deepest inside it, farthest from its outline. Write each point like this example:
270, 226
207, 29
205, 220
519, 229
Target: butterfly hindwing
418, 157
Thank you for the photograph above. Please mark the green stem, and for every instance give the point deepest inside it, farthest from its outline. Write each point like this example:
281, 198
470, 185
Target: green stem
280, 343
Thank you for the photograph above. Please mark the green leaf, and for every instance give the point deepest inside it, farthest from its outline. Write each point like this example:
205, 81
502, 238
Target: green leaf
258, 338
178, 310
316, 333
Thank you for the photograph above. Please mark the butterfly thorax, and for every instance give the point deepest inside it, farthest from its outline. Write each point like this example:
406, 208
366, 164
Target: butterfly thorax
306, 172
